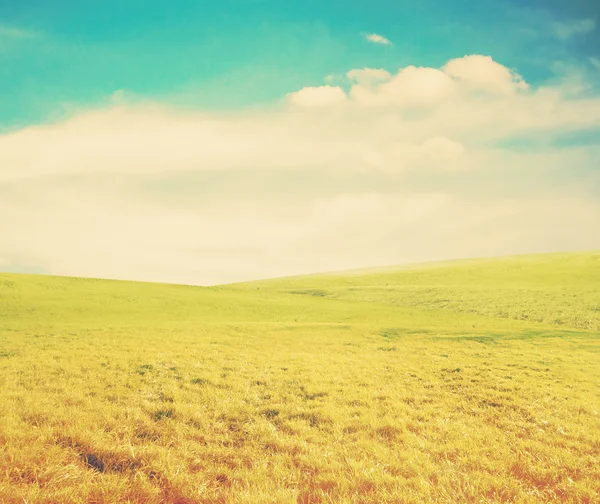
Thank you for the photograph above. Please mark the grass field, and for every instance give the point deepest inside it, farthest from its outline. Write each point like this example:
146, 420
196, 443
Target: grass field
470, 381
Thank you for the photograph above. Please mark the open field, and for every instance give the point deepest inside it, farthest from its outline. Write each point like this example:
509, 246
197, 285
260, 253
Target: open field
471, 381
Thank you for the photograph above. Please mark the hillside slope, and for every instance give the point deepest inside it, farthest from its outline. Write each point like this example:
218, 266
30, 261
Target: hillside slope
474, 381
557, 289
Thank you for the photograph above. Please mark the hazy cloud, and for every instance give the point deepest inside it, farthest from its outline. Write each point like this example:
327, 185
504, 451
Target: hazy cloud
10, 32
567, 29
377, 39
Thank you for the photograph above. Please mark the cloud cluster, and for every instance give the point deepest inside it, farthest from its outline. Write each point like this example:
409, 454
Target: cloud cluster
415, 86
418, 118
384, 168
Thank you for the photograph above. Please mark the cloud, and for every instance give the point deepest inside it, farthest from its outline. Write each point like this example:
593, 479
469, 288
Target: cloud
384, 168
9, 32
441, 148
440, 153
377, 39
385, 122
105, 228
565, 30
368, 75
410, 86
421, 85
595, 62
482, 72
320, 96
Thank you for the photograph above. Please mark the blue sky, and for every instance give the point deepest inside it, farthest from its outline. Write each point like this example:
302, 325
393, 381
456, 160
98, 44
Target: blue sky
208, 142
79, 52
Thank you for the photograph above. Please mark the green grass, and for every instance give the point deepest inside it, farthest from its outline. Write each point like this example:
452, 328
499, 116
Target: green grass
469, 381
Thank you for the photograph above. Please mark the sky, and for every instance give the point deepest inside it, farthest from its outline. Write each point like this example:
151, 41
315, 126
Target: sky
212, 142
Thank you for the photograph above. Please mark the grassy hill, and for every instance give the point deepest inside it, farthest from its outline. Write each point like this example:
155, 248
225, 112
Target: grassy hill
467, 381
557, 289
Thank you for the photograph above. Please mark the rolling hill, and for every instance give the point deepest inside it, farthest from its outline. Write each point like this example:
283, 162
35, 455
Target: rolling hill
466, 381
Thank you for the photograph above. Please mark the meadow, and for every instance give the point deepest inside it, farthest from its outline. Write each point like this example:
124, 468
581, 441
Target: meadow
471, 381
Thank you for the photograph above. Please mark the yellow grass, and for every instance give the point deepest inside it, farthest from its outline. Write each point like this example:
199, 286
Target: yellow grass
463, 382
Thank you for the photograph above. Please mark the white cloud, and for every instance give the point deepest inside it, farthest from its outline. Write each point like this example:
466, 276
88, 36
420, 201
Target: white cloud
428, 86
442, 148
437, 153
368, 76
567, 29
400, 168
482, 72
321, 96
410, 86
595, 62
377, 39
